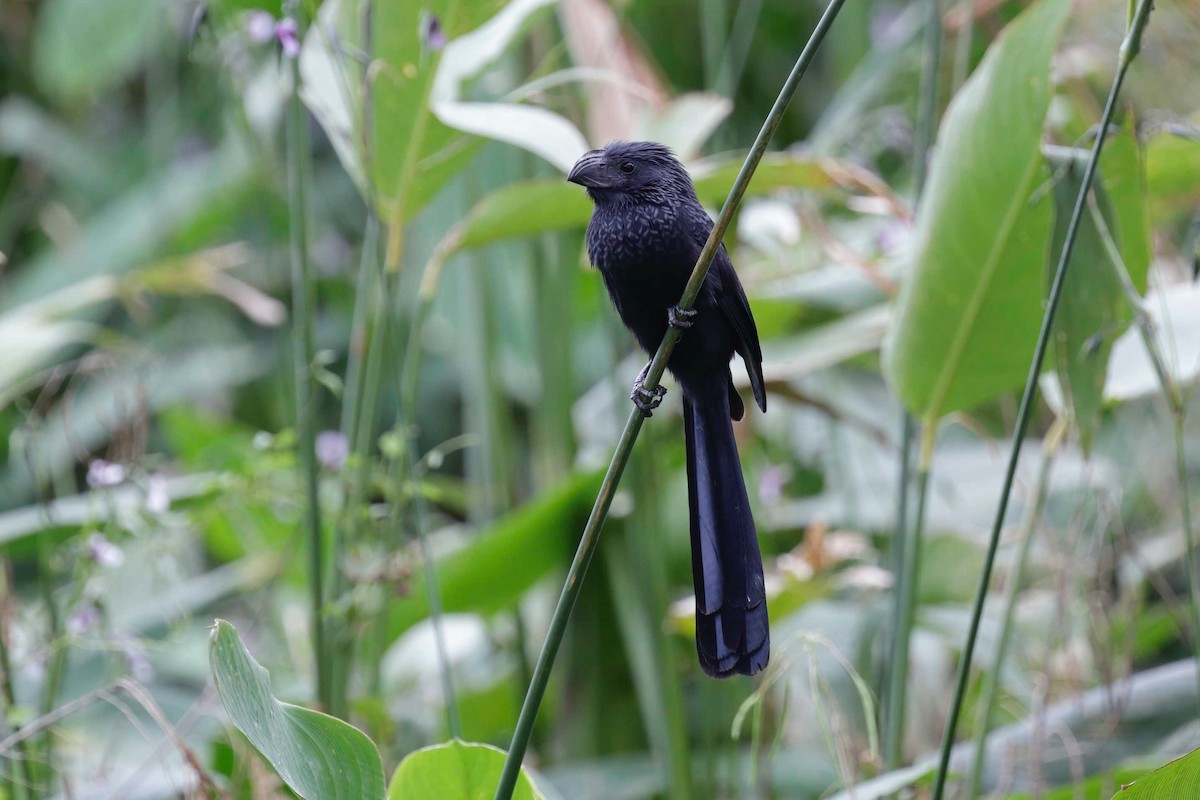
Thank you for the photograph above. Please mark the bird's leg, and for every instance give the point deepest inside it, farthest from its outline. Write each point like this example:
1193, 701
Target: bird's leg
679, 317
646, 399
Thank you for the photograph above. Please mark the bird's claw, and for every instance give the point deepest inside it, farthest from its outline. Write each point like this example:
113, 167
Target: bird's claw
646, 399
679, 317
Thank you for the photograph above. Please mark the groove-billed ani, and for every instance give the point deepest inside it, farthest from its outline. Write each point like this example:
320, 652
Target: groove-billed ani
645, 235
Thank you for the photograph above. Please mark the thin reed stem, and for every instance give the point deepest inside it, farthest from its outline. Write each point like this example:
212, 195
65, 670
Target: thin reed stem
1129, 50
991, 686
909, 542
591, 532
303, 323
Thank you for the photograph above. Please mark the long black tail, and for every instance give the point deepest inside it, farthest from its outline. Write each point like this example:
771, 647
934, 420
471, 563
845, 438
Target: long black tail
731, 603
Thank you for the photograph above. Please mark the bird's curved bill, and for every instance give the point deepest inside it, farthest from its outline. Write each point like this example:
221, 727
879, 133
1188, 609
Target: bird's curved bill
591, 170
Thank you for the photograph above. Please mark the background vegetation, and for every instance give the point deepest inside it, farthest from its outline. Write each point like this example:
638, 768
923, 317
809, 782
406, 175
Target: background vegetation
295, 318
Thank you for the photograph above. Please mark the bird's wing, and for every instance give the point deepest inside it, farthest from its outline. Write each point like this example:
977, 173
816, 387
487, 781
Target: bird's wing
731, 299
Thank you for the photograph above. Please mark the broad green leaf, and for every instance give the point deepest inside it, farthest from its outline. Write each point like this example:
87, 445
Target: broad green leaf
408, 154
1094, 306
1123, 177
83, 47
969, 311
456, 770
1173, 171
538, 130
526, 208
1178, 779
318, 756
493, 571
413, 153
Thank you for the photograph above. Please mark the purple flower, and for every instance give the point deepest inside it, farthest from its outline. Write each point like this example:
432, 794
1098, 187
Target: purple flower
135, 656
84, 620
102, 473
259, 26
288, 34
332, 450
432, 36
104, 552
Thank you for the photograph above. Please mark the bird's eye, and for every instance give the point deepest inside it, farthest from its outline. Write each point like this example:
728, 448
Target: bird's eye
628, 167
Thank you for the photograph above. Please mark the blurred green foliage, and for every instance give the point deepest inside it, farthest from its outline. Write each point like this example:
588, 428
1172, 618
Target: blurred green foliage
149, 476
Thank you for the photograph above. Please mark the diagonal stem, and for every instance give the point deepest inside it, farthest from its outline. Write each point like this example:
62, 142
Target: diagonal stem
1129, 49
591, 532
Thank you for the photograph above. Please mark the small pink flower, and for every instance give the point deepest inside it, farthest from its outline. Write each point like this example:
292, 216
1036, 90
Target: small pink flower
259, 26
432, 36
288, 34
104, 552
103, 473
332, 450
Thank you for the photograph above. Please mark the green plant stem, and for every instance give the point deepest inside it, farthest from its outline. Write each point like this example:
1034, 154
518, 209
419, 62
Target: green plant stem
962, 44
991, 685
906, 604
1129, 50
908, 425
16, 788
591, 531
303, 321
908, 556
1175, 402
409, 382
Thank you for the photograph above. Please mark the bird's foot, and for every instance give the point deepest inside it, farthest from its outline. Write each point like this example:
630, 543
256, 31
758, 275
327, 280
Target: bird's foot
682, 318
646, 399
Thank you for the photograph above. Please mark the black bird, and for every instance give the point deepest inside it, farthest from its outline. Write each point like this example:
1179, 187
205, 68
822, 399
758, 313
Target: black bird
645, 235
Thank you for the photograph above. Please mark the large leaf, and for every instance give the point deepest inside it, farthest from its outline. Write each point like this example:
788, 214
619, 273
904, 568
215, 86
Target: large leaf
538, 130
1093, 301
1178, 779
318, 756
495, 570
968, 314
1173, 173
83, 46
456, 770
407, 154
1123, 177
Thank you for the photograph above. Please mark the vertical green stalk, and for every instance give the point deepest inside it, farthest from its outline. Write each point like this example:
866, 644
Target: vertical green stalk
608, 488
1129, 49
409, 382
16, 787
991, 684
1175, 402
906, 605
908, 545
303, 322
962, 44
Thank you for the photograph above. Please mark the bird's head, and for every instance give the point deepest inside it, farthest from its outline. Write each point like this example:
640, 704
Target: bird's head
632, 172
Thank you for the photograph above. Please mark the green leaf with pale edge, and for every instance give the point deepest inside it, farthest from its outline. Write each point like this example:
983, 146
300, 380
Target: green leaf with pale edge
83, 47
1123, 176
969, 312
1094, 308
407, 155
530, 542
318, 756
1178, 779
456, 770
